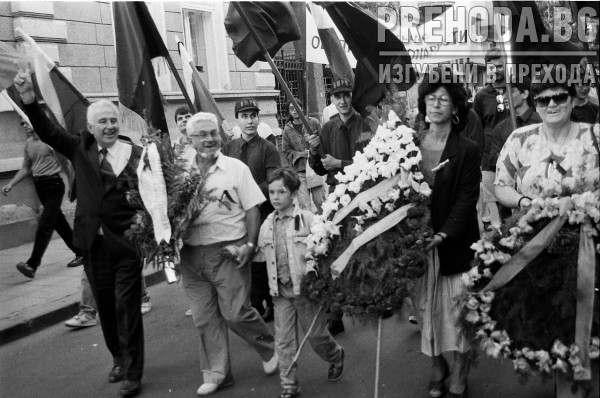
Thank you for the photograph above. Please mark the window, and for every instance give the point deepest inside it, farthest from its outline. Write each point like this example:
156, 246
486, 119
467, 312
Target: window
204, 38
194, 28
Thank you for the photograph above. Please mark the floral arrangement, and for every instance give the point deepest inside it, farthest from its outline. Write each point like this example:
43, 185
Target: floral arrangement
379, 275
185, 200
531, 319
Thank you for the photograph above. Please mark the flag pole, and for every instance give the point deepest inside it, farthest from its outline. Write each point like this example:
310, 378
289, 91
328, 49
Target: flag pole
507, 79
190, 104
275, 71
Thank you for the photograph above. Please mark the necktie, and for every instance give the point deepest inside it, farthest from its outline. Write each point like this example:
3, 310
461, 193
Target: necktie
106, 170
244, 153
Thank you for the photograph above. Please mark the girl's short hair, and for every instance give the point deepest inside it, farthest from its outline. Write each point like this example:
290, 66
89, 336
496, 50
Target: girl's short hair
290, 178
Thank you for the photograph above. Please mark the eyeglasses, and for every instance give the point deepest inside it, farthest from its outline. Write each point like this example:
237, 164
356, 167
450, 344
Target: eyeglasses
558, 99
430, 99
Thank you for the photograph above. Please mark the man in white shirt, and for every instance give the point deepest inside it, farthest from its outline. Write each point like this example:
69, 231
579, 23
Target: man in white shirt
218, 286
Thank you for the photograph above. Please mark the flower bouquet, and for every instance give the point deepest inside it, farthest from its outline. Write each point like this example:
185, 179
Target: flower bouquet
530, 316
367, 247
170, 194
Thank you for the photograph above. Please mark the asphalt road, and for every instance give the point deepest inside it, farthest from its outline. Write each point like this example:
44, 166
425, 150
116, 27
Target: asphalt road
59, 362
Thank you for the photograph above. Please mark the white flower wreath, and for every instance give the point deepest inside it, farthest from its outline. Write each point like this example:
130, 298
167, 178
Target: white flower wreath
579, 209
391, 151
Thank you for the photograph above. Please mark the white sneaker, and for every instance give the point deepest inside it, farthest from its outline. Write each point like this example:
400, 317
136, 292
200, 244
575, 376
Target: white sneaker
146, 307
270, 366
81, 320
207, 388
188, 312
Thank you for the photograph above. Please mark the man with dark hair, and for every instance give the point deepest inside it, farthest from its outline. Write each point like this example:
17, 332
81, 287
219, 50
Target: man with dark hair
40, 161
340, 138
182, 143
262, 157
489, 106
584, 110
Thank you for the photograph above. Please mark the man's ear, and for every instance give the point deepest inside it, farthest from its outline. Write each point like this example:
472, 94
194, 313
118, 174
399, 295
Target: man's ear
525, 94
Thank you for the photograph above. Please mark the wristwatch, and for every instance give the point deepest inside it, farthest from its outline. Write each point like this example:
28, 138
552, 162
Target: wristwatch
251, 245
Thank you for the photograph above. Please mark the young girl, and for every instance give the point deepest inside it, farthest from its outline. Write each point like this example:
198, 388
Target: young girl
281, 240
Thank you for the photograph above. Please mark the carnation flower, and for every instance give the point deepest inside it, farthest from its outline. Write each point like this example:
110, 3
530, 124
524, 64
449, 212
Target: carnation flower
559, 349
345, 200
521, 365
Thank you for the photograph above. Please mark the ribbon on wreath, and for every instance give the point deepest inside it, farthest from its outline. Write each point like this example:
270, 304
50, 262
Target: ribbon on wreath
586, 269
370, 233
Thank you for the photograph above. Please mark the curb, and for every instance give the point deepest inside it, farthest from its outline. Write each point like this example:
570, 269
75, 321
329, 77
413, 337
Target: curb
58, 315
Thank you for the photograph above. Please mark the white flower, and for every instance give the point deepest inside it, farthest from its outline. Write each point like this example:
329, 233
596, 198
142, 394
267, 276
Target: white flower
340, 190
354, 186
472, 317
345, 200
560, 365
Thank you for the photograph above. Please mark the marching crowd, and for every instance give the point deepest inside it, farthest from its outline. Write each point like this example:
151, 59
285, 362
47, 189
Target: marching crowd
265, 210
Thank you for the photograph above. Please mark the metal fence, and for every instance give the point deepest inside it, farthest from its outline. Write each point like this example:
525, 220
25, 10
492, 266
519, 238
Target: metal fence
293, 73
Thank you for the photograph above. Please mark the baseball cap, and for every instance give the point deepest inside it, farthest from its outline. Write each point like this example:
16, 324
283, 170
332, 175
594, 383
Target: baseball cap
247, 104
341, 85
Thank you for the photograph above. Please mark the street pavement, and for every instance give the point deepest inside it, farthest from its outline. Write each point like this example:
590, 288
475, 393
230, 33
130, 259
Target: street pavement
61, 362
30, 305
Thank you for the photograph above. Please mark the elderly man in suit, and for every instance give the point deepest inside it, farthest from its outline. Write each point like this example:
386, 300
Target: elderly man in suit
105, 164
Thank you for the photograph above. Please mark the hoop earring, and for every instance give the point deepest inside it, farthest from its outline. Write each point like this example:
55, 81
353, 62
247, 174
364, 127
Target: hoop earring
457, 120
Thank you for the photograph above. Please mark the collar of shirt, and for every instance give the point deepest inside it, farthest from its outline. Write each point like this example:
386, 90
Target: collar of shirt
526, 115
252, 141
118, 155
348, 123
281, 215
221, 163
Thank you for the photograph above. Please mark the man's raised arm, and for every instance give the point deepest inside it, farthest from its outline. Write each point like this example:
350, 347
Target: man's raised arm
46, 128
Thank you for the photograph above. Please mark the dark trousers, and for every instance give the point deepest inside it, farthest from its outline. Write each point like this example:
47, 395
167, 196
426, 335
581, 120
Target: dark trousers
260, 287
116, 282
50, 191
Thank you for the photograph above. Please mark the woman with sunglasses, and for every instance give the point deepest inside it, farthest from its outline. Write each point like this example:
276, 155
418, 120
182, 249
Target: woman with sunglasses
450, 164
550, 150
562, 155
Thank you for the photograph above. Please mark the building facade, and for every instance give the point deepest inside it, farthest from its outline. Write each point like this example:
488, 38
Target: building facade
79, 38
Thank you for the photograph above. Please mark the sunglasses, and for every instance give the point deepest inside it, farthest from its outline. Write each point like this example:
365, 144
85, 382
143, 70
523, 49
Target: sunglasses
558, 99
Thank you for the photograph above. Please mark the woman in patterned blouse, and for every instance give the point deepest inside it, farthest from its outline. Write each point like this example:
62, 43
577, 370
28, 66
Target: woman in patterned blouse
557, 154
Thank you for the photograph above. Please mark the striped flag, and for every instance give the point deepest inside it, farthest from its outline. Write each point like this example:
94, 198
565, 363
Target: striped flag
66, 103
197, 90
338, 61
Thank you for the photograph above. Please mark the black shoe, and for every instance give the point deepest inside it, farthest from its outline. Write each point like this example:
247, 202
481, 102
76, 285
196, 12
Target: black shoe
387, 313
26, 270
289, 393
335, 326
336, 369
130, 388
116, 374
76, 262
267, 316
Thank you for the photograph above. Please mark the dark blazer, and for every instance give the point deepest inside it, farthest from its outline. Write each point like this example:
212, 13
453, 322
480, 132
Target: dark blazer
95, 207
453, 203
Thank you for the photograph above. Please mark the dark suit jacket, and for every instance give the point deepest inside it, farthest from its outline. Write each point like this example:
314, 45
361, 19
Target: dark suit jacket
95, 207
453, 203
